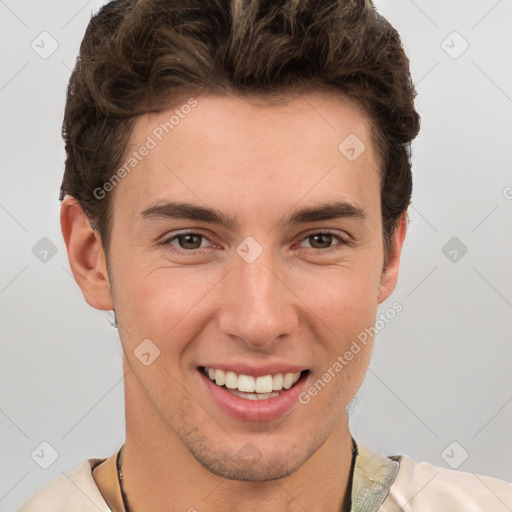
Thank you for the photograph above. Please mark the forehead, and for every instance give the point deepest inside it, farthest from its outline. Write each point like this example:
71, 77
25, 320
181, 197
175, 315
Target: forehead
320, 120
209, 146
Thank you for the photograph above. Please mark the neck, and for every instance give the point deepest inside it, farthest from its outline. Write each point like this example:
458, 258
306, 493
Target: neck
160, 474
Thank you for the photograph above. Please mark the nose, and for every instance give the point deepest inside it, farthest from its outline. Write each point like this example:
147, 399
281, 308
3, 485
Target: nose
258, 306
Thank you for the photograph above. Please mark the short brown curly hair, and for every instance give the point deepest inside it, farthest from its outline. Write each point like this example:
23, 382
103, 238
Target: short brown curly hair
138, 56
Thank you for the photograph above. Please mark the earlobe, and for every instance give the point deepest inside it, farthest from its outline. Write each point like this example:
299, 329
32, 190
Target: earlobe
389, 276
85, 255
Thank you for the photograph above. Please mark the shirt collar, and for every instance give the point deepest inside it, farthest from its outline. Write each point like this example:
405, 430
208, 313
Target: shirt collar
372, 479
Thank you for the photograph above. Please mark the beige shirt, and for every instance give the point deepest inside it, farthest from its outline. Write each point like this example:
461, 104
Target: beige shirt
380, 484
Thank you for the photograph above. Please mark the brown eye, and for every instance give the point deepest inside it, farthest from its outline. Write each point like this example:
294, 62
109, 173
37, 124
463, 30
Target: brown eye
324, 241
185, 242
321, 240
189, 241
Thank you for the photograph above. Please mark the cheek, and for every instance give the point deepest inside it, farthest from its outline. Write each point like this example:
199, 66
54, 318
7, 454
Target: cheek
345, 307
165, 304
343, 295
349, 314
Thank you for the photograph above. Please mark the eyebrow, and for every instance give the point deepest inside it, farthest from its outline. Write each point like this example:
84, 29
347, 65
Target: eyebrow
323, 211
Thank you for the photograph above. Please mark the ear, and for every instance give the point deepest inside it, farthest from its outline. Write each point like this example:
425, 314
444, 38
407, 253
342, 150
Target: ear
85, 253
389, 276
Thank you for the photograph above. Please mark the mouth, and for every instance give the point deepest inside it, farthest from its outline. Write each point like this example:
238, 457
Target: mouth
253, 398
253, 388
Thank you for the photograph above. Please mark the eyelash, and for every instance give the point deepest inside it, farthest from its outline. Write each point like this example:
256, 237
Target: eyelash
167, 242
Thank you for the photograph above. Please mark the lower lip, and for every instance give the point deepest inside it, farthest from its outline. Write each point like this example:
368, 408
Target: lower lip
254, 410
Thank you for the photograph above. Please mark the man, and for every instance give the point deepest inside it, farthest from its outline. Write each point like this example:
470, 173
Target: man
236, 190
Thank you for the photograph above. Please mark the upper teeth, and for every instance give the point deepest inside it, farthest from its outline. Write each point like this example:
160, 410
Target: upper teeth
249, 384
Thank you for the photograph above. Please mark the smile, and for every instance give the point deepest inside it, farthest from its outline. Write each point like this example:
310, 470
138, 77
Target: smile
253, 398
252, 388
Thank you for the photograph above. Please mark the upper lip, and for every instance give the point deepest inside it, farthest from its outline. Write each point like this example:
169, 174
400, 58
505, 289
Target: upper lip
256, 370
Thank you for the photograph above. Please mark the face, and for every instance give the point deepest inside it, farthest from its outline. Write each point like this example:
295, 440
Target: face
248, 243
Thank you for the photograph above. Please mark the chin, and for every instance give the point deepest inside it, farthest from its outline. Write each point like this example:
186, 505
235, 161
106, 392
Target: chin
256, 468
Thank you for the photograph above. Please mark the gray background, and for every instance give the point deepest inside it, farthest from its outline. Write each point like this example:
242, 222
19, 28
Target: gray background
440, 372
